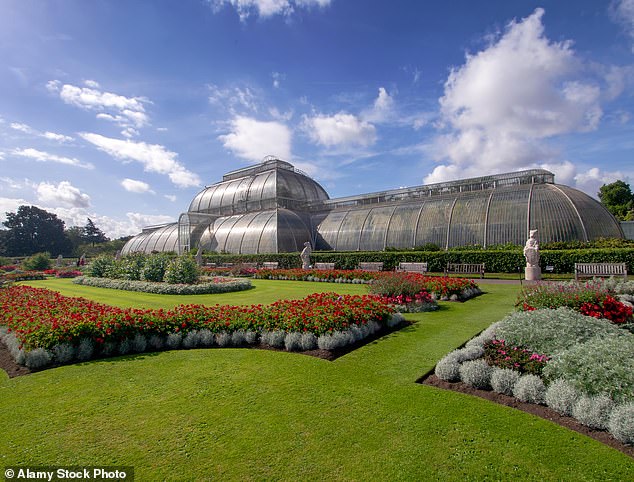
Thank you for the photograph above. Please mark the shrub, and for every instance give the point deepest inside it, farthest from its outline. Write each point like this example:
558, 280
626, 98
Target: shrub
182, 270
173, 341
130, 266
251, 337
218, 285
530, 389
101, 266
125, 346
38, 358
503, 380
37, 262
206, 337
63, 353
155, 267
593, 410
155, 342
599, 365
476, 374
448, 368
139, 343
621, 423
337, 339
561, 396
309, 341
85, 349
223, 339
273, 338
191, 339
549, 331
238, 338
293, 341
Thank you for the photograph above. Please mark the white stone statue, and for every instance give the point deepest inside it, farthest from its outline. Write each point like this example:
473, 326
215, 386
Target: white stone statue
305, 255
199, 256
531, 252
531, 249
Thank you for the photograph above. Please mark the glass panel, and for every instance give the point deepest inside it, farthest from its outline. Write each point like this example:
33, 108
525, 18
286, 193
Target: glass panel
467, 220
403, 226
433, 222
374, 233
507, 216
350, 230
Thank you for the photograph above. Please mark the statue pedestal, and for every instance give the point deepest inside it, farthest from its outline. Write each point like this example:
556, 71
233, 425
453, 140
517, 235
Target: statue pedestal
533, 273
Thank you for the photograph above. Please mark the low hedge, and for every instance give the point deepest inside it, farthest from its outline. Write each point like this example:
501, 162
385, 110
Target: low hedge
496, 261
211, 287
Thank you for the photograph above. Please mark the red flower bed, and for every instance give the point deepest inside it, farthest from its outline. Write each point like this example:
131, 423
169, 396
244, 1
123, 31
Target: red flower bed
41, 318
608, 308
498, 354
442, 286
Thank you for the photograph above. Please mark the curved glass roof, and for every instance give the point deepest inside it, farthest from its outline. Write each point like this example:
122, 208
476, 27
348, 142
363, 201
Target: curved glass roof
485, 217
272, 207
269, 185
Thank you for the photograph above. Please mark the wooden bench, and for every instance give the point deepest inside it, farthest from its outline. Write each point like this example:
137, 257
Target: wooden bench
324, 266
371, 266
270, 265
465, 268
591, 270
412, 267
249, 265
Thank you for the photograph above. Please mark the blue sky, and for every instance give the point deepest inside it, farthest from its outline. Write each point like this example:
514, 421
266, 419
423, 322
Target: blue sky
122, 111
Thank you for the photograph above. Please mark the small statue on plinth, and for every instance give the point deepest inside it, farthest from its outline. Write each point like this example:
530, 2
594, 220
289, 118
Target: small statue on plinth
305, 255
199, 256
531, 252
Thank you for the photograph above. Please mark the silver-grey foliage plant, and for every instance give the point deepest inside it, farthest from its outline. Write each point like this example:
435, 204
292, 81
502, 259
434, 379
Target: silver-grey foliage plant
530, 388
476, 374
594, 410
38, 358
503, 380
621, 423
562, 396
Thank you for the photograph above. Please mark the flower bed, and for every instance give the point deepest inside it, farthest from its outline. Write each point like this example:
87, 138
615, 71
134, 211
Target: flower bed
593, 298
578, 365
42, 327
214, 286
442, 288
21, 276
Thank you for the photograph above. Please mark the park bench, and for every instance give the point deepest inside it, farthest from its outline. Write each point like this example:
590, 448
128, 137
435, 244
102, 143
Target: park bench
270, 265
324, 266
591, 270
412, 267
249, 265
465, 268
371, 266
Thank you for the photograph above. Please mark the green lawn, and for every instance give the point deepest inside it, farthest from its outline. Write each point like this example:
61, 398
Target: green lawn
245, 414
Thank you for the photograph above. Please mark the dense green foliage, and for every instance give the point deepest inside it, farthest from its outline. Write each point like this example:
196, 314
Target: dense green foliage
32, 230
183, 270
618, 198
37, 262
496, 261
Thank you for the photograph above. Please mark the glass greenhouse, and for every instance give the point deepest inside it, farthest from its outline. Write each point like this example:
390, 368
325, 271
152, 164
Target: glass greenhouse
272, 207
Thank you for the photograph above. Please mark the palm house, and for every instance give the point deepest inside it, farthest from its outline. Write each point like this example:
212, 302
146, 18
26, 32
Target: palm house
273, 207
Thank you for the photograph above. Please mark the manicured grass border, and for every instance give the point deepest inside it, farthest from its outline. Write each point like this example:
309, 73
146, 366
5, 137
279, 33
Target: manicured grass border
252, 414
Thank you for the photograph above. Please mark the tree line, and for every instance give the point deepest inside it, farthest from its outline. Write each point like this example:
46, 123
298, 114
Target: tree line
32, 230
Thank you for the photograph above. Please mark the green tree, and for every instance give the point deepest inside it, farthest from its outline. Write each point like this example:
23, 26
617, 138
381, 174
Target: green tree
617, 197
94, 235
32, 230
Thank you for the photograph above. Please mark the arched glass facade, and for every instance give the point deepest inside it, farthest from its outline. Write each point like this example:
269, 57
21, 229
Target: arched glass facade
272, 207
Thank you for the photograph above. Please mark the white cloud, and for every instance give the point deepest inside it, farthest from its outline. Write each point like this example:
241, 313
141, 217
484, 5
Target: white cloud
92, 84
64, 194
21, 127
267, 8
170, 197
57, 137
253, 140
125, 111
339, 129
233, 98
505, 101
153, 157
133, 185
623, 12
382, 109
277, 79
42, 156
